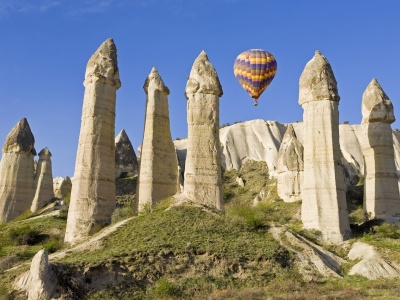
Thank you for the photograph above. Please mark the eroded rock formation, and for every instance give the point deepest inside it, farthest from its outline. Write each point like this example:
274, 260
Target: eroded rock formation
371, 265
62, 187
126, 163
93, 186
158, 172
381, 190
44, 181
203, 160
290, 167
324, 205
17, 172
40, 282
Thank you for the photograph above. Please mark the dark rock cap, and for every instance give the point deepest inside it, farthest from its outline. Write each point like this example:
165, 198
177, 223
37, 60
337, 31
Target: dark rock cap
20, 139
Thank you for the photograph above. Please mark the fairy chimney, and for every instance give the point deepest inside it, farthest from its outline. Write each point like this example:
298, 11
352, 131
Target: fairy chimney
324, 206
93, 185
381, 190
17, 172
202, 183
158, 175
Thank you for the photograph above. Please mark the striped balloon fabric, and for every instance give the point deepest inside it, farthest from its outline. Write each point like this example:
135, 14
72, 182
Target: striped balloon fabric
255, 69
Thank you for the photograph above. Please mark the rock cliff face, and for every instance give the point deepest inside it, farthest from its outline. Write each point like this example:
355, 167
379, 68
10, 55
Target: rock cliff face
158, 172
381, 190
324, 205
17, 172
290, 167
93, 189
202, 180
257, 140
44, 181
126, 163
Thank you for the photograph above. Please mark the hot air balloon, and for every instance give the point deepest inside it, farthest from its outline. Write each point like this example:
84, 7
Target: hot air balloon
255, 69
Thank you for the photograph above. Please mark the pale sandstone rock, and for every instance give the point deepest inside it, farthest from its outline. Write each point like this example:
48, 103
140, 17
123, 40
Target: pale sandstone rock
260, 140
353, 159
62, 187
203, 184
260, 197
93, 185
44, 181
158, 172
396, 149
239, 181
312, 260
17, 182
257, 140
290, 167
126, 163
40, 282
324, 205
371, 264
381, 190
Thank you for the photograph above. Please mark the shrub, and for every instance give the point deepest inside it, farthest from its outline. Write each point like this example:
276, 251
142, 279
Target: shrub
52, 245
165, 289
25, 235
250, 216
387, 230
122, 213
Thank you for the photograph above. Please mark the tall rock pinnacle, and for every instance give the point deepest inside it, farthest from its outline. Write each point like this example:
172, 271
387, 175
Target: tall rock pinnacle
324, 205
126, 163
202, 168
158, 172
381, 190
93, 185
290, 167
17, 172
43, 181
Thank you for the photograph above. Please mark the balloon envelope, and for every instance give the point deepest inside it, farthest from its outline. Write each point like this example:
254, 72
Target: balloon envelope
255, 69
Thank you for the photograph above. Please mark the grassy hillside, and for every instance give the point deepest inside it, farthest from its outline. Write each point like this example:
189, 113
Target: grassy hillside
188, 253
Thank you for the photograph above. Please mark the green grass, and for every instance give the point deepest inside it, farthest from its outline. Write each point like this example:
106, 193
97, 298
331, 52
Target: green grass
187, 253
23, 238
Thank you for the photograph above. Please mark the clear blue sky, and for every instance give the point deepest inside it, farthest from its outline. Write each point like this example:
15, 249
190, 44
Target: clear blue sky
45, 45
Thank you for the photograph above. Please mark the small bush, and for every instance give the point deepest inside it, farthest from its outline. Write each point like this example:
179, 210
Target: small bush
52, 245
122, 213
387, 230
250, 216
165, 289
25, 235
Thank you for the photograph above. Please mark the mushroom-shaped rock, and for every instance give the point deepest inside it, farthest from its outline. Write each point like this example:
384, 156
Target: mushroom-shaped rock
158, 172
203, 159
126, 163
324, 205
290, 167
44, 181
93, 189
17, 182
381, 190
